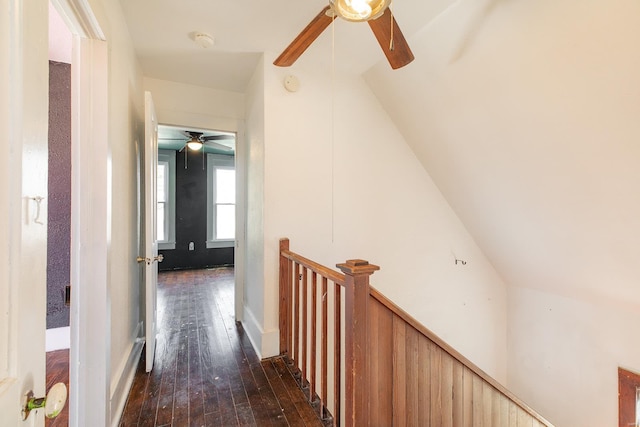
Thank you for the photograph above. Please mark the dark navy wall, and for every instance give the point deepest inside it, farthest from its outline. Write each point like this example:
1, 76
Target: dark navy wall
191, 219
59, 196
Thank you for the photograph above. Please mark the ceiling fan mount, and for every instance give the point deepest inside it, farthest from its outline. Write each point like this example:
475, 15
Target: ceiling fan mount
375, 12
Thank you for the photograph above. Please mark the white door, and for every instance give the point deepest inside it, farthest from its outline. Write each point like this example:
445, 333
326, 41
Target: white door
23, 205
150, 226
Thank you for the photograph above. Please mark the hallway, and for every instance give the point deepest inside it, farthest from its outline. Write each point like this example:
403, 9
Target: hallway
206, 372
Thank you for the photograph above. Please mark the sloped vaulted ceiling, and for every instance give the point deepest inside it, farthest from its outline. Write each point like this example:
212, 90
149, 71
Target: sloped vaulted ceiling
525, 113
527, 116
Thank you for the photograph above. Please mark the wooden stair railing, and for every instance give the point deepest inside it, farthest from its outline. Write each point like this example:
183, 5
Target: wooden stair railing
391, 369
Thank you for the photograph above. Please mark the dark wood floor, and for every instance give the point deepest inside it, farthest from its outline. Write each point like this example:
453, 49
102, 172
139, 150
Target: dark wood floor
58, 371
206, 372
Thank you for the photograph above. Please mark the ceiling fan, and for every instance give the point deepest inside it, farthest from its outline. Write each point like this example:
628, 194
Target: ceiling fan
196, 141
375, 12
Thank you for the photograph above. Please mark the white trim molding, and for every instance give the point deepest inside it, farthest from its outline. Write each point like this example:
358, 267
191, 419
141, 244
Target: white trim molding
126, 374
89, 356
58, 338
265, 343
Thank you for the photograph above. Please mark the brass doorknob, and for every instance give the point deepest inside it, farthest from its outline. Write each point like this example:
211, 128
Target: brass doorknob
158, 258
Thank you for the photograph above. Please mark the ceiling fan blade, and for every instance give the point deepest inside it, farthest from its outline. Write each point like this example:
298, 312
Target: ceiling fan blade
304, 39
218, 138
218, 146
399, 54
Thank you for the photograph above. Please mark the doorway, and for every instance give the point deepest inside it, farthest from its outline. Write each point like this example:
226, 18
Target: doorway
58, 333
88, 402
196, 198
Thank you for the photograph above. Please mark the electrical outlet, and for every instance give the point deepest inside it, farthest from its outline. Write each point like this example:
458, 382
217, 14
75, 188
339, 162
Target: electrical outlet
192, 246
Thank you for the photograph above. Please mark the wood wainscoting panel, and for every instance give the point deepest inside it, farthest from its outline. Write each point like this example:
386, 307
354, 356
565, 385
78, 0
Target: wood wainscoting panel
418, 380
628, 384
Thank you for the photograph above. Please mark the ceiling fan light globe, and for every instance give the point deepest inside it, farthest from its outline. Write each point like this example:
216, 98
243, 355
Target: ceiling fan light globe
360, 7
194, 145
359, 10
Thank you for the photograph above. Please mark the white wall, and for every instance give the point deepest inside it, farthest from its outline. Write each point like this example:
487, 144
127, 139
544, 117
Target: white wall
125, 132
254, 288
564, 356
335, 154
524, 115
342, 183
195, 106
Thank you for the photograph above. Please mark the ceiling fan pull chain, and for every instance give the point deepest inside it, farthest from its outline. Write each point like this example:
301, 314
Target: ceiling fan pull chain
391, 46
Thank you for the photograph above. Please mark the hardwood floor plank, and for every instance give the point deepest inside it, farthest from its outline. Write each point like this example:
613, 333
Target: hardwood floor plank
206, 370
288, 408
212, 420
196, 392
136, 397
167, 388
272, 408
58, 371
245, 415
305, 410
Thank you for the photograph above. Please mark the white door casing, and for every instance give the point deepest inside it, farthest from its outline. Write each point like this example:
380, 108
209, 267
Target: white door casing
89, 357
150, 224
23, 220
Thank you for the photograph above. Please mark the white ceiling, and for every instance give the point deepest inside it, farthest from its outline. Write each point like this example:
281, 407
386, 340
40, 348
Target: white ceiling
245, 29
525, 113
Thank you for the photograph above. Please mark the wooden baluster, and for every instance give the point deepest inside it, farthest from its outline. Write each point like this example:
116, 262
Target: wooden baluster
296, 314
357, 390
325, 339
291, 282
314, 334
305, 314
337, 333
285, 298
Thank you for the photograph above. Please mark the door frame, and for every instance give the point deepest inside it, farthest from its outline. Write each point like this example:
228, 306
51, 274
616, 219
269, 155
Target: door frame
89, 355
150, 244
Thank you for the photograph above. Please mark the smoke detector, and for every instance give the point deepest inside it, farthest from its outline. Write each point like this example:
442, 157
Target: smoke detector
203, 40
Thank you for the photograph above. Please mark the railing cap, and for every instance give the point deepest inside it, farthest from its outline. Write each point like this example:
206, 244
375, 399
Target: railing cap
355, 267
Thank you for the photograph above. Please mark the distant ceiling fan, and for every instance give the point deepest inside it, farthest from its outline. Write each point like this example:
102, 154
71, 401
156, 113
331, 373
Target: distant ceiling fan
375, 12
196, 141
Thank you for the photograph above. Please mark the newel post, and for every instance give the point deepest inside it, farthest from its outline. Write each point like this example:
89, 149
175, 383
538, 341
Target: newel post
357, 390
285, 298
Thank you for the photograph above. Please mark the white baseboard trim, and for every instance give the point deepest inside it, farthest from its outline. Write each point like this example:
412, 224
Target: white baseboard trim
271, 343
253, 329
121, 383
265, 343
58, 338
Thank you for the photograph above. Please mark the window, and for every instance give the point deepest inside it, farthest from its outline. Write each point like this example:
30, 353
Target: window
221, 201
166, 208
